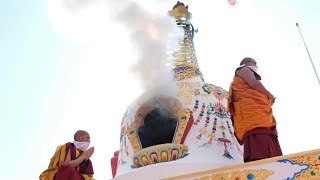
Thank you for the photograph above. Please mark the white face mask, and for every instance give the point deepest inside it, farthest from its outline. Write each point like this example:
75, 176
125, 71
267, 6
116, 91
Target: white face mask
81, 145
254, 68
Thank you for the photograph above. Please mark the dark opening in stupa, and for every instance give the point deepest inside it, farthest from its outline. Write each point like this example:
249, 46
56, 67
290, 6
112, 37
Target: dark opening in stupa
159, 128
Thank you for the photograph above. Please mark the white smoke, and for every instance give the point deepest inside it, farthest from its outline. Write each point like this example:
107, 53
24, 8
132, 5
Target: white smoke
152, 32
152, 36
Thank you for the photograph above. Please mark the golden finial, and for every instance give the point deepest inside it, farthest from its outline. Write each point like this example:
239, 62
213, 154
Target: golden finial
185, 55
180, 10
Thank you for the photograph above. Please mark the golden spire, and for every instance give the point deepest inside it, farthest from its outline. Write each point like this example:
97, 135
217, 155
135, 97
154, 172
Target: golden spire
185, 54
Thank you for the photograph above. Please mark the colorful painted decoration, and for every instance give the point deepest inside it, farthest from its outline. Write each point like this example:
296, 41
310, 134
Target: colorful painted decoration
159, 153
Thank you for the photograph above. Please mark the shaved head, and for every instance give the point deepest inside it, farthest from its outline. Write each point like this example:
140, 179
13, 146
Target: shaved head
246, 60
80, 133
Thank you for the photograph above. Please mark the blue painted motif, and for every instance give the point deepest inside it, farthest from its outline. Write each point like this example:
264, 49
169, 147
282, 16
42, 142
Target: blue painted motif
250, 176
306, 166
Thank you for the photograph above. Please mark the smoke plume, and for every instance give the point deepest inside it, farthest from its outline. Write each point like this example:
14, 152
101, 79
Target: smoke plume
152, 34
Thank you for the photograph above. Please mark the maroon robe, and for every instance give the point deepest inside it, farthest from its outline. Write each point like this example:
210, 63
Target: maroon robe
261, 143
66, 172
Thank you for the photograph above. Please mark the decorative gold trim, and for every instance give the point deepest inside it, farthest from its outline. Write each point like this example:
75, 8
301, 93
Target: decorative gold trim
183, 116
238, 175
314, 166
248, 164
186, 72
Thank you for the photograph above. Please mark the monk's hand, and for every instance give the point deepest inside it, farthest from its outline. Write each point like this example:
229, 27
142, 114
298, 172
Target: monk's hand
88, 153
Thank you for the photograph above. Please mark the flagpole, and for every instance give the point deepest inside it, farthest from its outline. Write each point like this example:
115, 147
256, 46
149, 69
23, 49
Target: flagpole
305, 45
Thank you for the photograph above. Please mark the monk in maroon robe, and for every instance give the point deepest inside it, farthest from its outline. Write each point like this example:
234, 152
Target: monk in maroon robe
71, 160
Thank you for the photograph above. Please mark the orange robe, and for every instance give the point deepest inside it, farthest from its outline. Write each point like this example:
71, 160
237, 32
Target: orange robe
249, 108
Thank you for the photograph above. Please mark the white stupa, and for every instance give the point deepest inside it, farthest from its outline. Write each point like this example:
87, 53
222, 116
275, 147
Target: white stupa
184, 129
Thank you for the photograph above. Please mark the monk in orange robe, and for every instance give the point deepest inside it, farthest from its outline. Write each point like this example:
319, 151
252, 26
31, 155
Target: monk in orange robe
71, 160
250, 106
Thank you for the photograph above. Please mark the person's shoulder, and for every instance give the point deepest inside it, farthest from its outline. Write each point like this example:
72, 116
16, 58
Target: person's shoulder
60, 147
65, 144
69, 144
244, 70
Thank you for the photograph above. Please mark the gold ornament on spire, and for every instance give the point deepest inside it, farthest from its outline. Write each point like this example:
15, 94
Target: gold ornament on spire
185, 54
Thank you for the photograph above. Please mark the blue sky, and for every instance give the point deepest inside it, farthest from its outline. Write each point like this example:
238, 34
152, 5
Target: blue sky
38, 68
28, 48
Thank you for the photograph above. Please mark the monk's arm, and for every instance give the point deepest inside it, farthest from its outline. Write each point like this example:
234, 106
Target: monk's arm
75, 162
84, 156
247, 75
